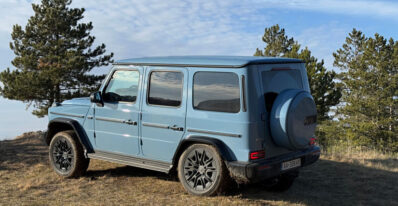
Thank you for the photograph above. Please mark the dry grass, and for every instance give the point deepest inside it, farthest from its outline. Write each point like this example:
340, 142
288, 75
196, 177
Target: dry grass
338, 178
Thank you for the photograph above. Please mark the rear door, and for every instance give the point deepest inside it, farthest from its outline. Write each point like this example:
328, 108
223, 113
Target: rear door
163, 112
274, 79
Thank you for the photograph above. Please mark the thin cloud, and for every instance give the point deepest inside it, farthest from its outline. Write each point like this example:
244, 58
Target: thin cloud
384, 9
175, 27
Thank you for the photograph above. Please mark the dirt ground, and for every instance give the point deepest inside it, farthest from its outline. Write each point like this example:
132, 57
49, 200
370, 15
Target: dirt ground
336, 179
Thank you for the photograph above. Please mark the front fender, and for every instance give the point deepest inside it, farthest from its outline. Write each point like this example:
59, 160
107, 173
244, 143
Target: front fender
61, 124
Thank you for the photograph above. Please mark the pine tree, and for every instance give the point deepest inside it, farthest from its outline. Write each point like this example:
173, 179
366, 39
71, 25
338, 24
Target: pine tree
370, 80
323, 88
54, 56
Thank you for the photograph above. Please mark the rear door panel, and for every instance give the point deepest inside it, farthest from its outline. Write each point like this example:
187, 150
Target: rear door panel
162, 127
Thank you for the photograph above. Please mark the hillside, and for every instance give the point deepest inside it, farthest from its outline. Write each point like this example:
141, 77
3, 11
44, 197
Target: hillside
27, 179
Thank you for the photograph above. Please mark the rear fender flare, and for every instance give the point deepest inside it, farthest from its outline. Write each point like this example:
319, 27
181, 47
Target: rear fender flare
224, 151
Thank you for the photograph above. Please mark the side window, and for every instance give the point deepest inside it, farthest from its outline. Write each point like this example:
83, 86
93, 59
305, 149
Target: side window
165, 88
216, 91
123, 86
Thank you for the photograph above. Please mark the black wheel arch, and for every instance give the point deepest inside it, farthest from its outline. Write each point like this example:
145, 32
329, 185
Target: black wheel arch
62, 124
225, 152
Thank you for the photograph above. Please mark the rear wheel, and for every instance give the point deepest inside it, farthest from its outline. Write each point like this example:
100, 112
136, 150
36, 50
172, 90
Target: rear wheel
202, 171
67, 156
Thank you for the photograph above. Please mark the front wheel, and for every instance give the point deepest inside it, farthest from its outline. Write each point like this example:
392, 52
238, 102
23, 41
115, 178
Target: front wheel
202, 171
67, 156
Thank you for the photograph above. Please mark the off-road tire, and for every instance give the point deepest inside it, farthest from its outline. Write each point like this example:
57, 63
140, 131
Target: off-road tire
66, 148
206, 169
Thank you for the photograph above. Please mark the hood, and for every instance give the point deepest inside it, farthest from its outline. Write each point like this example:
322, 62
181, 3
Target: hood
84, 101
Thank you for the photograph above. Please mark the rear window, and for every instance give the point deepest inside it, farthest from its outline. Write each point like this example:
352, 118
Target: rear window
277, 81
216, 91
274, 82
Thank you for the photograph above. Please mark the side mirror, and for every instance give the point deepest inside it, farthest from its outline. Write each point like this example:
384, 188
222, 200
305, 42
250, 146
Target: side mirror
96, 97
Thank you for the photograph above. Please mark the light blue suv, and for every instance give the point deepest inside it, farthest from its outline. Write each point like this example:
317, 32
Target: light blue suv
211, 119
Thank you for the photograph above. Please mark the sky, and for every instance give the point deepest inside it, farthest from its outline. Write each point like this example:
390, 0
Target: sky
138, 28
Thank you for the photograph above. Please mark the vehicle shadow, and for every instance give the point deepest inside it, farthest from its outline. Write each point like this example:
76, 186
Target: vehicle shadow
335, 183
324, 183
128, 171
327, 182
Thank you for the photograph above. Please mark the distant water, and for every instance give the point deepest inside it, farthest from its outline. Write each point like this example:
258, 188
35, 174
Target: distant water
15, 119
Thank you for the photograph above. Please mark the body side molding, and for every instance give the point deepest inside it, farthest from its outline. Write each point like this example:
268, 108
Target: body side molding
214, 133
67, 114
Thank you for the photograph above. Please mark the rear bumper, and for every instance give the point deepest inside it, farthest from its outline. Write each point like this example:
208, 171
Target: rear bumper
249, 172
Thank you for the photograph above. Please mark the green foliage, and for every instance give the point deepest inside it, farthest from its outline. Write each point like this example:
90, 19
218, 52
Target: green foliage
53, 57
370, 80
325, 91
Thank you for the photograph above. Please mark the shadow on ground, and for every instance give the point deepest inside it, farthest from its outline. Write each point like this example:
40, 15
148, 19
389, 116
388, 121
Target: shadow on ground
27, 150
326, 182
127, 171
336, 183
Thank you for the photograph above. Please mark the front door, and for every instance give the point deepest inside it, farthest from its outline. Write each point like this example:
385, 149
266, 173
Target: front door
116, 123
163, 112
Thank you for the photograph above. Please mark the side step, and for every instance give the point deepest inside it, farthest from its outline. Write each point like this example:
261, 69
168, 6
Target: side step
132, 161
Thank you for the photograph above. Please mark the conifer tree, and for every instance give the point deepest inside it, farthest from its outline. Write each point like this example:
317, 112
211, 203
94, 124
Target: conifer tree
370, 81
323, 88
54, 56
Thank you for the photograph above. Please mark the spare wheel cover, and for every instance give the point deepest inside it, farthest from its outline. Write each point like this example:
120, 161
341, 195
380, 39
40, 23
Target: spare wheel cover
293, 119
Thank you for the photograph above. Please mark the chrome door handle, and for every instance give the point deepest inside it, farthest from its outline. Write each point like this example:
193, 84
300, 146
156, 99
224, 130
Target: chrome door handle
176, 128
129, 122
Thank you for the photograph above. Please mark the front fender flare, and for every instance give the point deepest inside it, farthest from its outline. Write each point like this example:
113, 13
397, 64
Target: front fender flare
59, 124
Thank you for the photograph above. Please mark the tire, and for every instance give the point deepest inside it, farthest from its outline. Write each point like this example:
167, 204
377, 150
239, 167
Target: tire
283, 182
293, 119
202, 171
66, 155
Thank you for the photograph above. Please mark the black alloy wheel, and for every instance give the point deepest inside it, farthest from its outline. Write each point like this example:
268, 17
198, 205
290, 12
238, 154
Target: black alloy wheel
63, 154
67, 156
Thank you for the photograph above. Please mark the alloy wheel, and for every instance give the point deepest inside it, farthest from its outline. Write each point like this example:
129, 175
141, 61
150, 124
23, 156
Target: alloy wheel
200, 170
63, 155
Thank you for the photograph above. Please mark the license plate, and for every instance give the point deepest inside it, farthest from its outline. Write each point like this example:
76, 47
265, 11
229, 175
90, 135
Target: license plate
291, 164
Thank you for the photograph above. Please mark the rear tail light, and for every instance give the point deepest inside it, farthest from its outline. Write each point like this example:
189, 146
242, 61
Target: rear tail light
312, 141
257, 155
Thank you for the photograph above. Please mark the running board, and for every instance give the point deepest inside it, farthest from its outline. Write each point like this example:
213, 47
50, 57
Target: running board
131, 161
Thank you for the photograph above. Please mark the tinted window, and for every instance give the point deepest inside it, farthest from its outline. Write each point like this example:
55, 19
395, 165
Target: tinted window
216, 91
123, 86
165, 88
277, 81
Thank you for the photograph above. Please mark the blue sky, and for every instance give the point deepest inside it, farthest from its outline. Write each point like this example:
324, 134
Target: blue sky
136, 28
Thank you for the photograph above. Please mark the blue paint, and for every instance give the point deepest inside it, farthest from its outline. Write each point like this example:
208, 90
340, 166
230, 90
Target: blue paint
232, 61
158, 130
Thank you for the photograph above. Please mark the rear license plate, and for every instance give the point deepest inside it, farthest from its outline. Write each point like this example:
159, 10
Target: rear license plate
291, 164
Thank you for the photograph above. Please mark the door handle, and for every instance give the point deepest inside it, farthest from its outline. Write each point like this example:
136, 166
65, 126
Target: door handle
129, 122
176, 128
